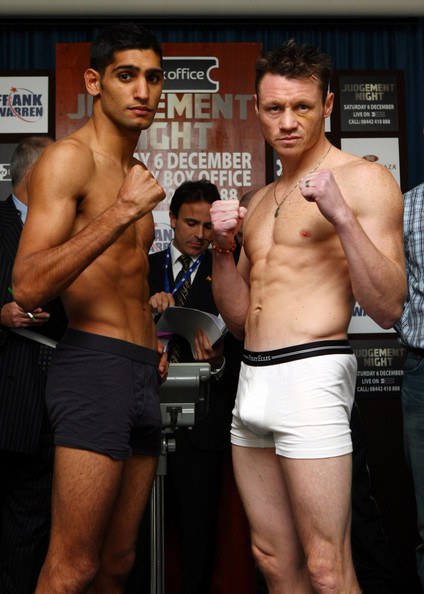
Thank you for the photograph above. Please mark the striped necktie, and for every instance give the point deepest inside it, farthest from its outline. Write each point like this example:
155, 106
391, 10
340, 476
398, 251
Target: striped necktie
181, 294
180, 297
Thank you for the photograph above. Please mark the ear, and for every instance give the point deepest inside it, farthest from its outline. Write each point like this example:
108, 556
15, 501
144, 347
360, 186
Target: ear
328, 105
92, 82
172, 219
255, 98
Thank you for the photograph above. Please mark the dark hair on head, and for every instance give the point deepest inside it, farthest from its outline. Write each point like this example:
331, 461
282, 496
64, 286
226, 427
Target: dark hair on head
294, 60
119, 37
25, 155
193, 191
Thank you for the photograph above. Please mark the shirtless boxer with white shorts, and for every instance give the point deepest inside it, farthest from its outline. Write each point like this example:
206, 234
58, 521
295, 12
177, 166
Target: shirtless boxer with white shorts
326, 233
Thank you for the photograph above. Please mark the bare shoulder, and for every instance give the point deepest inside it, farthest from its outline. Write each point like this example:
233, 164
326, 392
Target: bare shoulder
66, 163
256, 197
352, 167
71, 152
363, 182
70, 146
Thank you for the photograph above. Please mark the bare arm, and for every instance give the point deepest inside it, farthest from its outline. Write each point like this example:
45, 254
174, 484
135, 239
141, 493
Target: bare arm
370, 231
53, 251
230, 284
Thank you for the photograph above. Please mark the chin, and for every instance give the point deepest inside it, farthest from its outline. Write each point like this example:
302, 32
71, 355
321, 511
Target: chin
195, 252
140, 124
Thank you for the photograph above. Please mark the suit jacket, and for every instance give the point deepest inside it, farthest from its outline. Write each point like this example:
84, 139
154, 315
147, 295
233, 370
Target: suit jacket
22, 381
213, 432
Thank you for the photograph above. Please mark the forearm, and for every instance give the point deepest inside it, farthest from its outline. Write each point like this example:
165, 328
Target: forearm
231, 293
381, 291
40, 277
378, 281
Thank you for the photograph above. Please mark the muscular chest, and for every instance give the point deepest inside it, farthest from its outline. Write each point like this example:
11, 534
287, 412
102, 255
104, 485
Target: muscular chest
299, 224
103, 194
103, 189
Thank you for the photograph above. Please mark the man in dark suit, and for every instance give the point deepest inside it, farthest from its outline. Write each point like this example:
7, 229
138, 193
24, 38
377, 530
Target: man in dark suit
195, 468
25, 446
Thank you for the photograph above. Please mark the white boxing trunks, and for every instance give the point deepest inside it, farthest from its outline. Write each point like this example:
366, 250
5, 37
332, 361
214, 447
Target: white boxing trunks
297, 399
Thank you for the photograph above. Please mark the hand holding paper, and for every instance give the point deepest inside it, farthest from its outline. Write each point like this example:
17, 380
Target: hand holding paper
184, 321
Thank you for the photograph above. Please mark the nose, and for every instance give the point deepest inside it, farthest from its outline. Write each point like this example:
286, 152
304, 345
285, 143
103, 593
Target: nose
200, 232
141, 89
287, 120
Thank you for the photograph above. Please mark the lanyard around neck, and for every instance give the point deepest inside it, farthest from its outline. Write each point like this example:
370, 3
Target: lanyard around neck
186, 275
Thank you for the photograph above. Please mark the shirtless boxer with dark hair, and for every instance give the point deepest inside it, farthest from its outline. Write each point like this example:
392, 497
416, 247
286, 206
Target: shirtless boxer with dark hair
87, 237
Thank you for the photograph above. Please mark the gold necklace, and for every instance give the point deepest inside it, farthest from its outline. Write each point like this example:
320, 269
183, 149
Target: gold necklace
280, 204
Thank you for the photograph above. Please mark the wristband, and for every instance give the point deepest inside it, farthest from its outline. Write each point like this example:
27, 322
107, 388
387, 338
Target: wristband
222, 251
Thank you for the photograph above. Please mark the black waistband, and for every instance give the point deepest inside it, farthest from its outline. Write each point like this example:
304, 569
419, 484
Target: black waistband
301, 351
114, 346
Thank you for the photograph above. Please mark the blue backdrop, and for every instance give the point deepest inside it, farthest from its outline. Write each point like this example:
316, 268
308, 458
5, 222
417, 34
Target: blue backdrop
356, 44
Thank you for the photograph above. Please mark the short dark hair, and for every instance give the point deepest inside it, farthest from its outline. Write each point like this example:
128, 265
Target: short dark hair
294, 60
193, 191
25, 155
119, 37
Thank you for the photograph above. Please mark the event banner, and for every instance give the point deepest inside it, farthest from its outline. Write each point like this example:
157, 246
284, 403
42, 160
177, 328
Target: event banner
369, 121
369, 118
24, 104
380, 366
26, 108
205, 126
377, 150
369, 102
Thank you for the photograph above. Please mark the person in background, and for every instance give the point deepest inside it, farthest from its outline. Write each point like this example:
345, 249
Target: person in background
411, 333
87, 235
195, 469
327, 233
26, 447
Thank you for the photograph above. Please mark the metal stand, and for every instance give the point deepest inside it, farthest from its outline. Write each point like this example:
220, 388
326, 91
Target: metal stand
157, 519
184, 394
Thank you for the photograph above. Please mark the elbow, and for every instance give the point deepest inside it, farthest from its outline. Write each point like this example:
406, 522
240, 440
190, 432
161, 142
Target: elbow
391, 315
399, 305
238, 333
387, 308
387, 323
23, 293
23, 297
237, 330
397, 314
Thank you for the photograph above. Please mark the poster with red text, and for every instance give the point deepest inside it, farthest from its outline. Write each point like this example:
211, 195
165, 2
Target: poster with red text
205, 126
